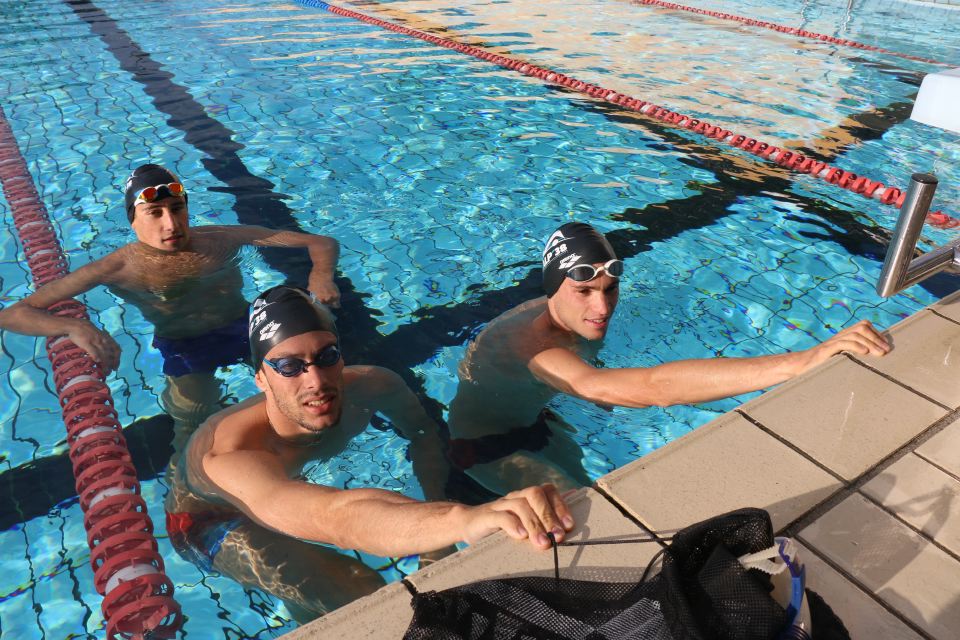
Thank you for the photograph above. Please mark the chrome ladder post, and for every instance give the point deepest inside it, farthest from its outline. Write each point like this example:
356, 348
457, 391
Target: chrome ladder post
899, 271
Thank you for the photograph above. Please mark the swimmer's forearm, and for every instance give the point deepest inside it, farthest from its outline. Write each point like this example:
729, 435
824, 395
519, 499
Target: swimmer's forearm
405, 527
28, 320
689, 381
376, 521
388, 524
692, 381
324, 252
415, 527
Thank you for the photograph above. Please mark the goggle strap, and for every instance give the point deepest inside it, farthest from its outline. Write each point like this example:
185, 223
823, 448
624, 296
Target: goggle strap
768, 561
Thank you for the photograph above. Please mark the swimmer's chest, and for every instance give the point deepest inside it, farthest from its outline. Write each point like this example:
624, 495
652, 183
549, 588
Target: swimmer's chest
326, 444
197, 277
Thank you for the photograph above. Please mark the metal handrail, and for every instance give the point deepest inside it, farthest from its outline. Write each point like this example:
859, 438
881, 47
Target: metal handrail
899, 271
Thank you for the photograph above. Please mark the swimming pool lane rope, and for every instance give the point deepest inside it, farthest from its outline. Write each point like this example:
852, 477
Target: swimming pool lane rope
784, 29
861, 185
128, 570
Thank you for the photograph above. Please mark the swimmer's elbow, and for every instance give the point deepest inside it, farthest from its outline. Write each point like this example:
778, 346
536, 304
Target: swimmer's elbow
325, 243
593, 389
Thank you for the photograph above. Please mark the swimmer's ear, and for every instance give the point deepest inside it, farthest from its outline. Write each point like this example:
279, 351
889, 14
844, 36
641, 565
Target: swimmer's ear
259, 381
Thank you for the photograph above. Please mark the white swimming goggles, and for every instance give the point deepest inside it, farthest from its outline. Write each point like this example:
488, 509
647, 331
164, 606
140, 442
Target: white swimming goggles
587, 272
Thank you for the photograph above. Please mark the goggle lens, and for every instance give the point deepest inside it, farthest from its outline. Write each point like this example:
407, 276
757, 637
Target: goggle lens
290, 367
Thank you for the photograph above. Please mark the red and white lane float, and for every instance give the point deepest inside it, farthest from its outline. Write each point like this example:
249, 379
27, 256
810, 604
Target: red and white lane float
803, 33
861, 185
128, 570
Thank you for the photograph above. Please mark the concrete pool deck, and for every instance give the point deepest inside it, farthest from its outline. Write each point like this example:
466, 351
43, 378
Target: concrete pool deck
859, 460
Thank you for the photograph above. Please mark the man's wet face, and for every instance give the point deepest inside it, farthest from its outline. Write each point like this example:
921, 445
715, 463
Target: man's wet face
309, 402
585, 308
162, 224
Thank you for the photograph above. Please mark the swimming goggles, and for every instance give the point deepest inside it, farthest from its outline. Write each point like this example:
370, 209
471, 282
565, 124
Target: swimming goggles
587, 272
152, 193
290, 367
788, 577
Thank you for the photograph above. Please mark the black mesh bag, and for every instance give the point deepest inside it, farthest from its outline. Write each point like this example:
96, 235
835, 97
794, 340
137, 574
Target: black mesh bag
539, 608
702, 593
706, 593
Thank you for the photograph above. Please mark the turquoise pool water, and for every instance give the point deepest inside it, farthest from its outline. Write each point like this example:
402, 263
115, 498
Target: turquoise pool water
441, 176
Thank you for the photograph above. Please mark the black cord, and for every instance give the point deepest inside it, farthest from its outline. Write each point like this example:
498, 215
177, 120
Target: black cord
584, 543
556, 557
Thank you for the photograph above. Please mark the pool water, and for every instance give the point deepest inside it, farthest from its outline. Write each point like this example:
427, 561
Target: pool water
441, 176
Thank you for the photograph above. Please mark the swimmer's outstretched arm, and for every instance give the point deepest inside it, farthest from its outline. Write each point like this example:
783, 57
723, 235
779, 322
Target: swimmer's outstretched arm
29, 316
374, 520
324, 252
691, 381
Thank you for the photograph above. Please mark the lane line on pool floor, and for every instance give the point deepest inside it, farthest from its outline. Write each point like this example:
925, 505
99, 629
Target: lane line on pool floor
795, 161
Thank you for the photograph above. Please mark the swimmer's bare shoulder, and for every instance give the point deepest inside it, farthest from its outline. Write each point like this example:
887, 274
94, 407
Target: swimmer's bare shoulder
115, 268
231, 236
219, 238
236, 428
513, 338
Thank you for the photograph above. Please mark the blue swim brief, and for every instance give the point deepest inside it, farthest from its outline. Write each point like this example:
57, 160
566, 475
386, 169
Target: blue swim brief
197, 536
205, 353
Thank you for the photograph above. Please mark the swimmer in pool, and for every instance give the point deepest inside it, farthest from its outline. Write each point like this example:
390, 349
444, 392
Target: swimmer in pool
237, 503
186, 282
503, 435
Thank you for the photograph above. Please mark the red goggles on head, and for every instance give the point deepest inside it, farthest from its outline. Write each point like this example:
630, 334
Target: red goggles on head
153, 193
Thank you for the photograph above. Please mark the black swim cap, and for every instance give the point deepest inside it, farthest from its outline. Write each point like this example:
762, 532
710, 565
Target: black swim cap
284, 312
147, 175
572, 244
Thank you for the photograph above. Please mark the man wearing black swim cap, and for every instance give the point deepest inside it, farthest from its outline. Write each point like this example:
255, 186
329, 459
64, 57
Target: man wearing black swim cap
185, 281
502, 434
238, 503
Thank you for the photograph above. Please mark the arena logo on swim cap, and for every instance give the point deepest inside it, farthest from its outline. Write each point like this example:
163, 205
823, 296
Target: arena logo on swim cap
269, 331
569, 261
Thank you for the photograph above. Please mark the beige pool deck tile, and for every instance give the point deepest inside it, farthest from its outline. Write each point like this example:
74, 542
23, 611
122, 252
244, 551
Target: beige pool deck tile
837, 417
920, 494
904, 569
384, 615
925, 357
943, 449
499, 556
725, 465
863, 616
949, 306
